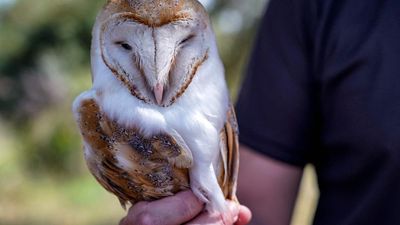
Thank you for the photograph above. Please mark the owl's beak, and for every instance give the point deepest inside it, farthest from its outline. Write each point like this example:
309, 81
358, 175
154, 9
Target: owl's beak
158, 92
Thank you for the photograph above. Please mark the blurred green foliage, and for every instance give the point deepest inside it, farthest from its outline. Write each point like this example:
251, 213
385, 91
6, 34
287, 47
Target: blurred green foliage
44, 64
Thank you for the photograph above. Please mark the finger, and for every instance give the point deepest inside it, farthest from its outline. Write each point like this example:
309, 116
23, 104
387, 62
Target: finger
244, 216
234, 209
176, 209
217, 218
206, 218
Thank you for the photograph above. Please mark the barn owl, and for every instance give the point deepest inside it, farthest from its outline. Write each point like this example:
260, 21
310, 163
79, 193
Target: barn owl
158, 119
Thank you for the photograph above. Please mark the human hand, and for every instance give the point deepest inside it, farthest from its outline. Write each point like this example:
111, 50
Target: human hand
238, 215
183, 208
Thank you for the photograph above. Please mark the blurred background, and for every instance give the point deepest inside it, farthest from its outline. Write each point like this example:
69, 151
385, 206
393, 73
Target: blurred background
44, 64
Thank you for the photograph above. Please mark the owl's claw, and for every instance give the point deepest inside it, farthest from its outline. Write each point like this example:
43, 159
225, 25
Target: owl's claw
201, 194
215, 202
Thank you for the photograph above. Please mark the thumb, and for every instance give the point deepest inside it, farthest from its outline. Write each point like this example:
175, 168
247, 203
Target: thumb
240, 214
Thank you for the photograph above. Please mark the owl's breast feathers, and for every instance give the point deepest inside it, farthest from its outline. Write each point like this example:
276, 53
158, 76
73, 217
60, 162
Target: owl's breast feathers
137, 168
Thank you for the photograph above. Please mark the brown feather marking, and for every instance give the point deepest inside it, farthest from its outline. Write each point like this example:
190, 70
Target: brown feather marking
221, 174
131, 87
162, 19
192, 73
233, 159
149, 174
229, 140
153, 13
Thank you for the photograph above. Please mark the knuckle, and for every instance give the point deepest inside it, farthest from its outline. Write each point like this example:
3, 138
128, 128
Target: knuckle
224, 219
139, 206
145, 218
187, 209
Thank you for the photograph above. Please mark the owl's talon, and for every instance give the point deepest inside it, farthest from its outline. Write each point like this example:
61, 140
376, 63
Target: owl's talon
200, 194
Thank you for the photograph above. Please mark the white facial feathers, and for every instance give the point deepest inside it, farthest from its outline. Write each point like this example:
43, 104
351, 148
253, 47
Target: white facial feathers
156, 63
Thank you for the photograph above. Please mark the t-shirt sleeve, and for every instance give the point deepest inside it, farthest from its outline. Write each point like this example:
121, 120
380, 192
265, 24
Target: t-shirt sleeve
276, 106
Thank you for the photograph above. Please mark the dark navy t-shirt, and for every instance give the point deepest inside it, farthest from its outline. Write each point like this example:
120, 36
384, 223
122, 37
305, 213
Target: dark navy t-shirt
323, 87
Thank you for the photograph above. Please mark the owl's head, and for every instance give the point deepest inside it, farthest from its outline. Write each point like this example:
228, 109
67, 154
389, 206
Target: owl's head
154, 47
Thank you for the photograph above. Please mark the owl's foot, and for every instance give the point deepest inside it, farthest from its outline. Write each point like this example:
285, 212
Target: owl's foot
210, 194
200, 194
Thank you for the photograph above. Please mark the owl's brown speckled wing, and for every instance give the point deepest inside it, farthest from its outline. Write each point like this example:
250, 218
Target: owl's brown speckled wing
229, 144
136, 168
126, 163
